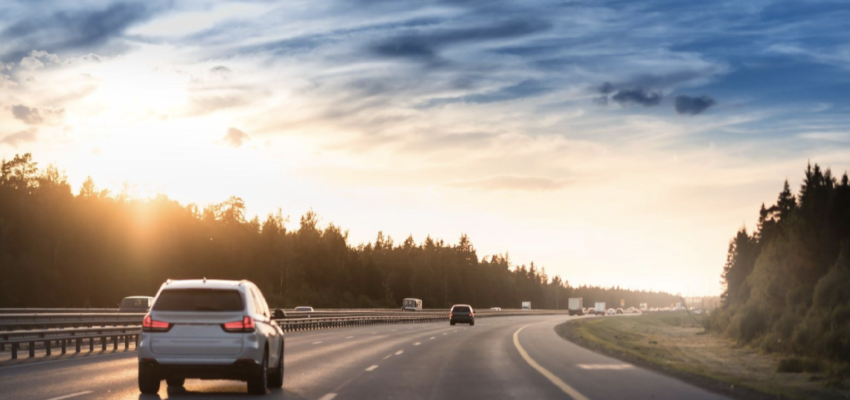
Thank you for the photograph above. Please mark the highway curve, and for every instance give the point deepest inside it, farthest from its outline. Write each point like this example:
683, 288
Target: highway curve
498, 358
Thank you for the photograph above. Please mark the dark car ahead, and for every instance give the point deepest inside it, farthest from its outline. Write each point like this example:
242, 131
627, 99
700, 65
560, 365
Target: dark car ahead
462, 313
135, 304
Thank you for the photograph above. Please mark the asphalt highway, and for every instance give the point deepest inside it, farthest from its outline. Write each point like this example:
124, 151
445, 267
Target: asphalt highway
498, 358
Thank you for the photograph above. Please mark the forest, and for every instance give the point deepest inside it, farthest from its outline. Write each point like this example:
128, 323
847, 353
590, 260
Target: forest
788, 282
58, 249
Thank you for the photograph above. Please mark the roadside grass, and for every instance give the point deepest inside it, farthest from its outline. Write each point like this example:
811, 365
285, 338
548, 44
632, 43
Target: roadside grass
659, 341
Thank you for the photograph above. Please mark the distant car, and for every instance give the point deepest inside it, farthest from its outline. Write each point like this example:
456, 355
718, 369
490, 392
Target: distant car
583, 311
411, 304
210, 329
590, 311
462, 313
619, 311
612, 311
135, 304
303, 309
495, 308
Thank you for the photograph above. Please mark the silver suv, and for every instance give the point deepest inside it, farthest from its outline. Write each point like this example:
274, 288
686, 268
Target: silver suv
210, 329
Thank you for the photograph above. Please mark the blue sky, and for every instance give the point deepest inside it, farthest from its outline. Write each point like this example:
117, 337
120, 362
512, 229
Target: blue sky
584, 135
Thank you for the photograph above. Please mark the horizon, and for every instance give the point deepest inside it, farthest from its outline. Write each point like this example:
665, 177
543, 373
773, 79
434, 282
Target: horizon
608, 143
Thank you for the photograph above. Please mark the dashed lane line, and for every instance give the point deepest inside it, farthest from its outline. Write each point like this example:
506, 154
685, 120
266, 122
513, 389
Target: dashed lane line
329, 396
400, 352
417, 343
317, 342
372, 368
349, 337
545, 372
68, 396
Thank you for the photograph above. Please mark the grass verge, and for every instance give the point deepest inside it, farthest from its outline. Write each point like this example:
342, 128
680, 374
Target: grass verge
660, 342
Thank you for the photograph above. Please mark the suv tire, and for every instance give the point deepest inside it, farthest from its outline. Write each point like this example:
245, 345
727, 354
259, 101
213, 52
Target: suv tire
259, 380
275, 380
148, 381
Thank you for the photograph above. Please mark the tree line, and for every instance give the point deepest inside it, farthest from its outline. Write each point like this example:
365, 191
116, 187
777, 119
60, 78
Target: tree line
58, 249
788, 282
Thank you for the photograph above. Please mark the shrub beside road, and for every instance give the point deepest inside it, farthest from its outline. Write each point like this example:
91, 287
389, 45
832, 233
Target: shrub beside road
661, 342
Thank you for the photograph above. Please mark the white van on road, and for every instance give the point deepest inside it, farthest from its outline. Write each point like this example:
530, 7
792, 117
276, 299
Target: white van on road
411, 304
210, 329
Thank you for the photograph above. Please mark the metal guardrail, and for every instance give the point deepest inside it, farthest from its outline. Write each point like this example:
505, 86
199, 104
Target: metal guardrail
65, 337
34, 328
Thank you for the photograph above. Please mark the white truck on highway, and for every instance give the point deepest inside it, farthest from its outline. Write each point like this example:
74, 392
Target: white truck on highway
575, 306
526, 305
599, 309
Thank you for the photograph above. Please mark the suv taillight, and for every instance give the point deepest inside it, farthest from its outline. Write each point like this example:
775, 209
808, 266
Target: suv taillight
243, 326
151, 325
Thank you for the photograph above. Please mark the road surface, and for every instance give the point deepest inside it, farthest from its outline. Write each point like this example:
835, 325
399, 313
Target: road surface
498, 358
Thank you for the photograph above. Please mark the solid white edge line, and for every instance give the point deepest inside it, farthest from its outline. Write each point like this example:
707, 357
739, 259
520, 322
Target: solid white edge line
87, 357
545, 372
329, 396
372, 368
68, 396
399, 352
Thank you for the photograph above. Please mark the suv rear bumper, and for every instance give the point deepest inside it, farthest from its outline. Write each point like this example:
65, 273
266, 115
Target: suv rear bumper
462, 319
241, 370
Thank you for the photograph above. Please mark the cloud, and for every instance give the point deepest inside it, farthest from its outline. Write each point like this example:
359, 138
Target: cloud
64, 29
235, 138
511, 182
687, 105
424, 45
28, 115
35, 116
639, 96
29, 135
220, 69
38, 59
526, 88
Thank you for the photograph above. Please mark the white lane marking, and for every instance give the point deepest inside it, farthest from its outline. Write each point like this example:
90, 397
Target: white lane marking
349, 337
454, 330
317, 342
432, 338
329, 396
545, 372
445, 333
372, 368
615, 367
68, 396
417, 343
399, 352
388, 356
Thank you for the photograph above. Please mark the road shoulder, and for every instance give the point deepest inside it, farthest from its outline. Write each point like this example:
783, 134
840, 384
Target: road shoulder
573, 332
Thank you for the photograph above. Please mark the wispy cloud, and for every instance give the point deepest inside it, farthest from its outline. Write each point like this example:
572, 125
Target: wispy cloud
25, 136
511, 182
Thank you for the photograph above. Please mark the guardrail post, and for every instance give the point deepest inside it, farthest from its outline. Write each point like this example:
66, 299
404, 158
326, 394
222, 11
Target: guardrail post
91, 344
47, 347
102, 343
78, 344
115, 343
64, 343
126, 342
32, 349
14, 351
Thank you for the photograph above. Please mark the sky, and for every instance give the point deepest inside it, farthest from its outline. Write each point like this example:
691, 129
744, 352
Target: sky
610, 142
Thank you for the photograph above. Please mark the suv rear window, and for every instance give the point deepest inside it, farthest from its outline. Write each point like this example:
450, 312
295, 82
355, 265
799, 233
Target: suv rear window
461, 309
211, 300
